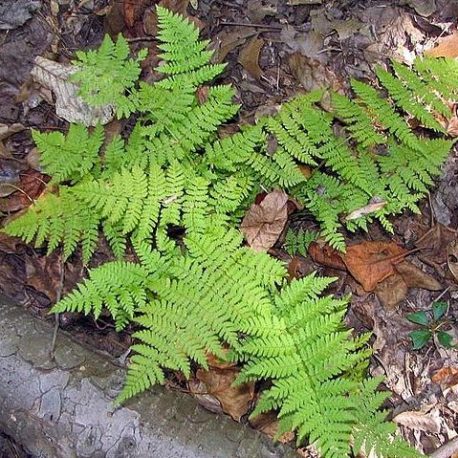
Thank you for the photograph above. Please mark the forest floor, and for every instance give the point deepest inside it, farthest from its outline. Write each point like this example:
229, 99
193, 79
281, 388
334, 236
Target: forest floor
274, 49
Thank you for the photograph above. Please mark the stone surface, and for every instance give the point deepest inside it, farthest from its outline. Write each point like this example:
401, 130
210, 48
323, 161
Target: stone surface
61, 407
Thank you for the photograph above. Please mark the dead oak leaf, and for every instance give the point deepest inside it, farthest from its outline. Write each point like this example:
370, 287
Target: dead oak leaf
264, 222
452, 258
372, 262
234, 400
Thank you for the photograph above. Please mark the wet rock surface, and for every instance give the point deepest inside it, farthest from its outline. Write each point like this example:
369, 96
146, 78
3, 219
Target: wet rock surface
60, 405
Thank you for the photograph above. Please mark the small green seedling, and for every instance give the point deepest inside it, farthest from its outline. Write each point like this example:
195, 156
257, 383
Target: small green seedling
432, 323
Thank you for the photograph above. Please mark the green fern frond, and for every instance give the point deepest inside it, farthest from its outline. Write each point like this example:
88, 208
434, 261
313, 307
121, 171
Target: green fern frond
71, 156
299, 242
60, 220
105, 76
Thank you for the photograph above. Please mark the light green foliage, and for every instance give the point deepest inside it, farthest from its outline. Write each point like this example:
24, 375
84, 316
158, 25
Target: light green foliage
106, 74
175, 192
299, 242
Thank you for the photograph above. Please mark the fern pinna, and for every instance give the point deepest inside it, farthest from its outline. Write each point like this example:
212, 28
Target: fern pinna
202, 291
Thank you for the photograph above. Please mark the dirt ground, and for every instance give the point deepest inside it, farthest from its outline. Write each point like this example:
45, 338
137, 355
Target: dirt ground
274, 49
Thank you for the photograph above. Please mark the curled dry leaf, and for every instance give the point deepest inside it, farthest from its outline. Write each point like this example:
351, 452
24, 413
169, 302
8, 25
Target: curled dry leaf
234, 400
229, 39
372, 262
69, 105
452, 258
249, 57
264, 222
418, 420
391, 291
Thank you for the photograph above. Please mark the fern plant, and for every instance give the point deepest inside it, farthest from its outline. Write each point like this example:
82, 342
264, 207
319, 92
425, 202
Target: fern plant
202, 290
299, 242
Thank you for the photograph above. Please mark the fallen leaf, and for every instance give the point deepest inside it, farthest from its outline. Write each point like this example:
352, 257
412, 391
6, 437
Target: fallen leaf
249, 57
217, 363
235, 400
69, 105
391, 291
418, 420
299, 267
327, 256
31, 185
311, 73
264, 222
44, 274
447, 377
133, 11
414, 277
8, 130
268, 424
372, 262
423, 7
452, 123
229, 39
452, 258
447, 47
199, 390
366, 210
434, 244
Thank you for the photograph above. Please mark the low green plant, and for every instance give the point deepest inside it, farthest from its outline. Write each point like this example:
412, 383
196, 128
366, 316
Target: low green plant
299, 242
432, 324
174, 193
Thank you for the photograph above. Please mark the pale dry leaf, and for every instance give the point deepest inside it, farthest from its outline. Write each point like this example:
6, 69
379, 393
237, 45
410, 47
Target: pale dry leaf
69, 105
372, 262
366, 210
264, 222
249, 57
418, 421
447, 47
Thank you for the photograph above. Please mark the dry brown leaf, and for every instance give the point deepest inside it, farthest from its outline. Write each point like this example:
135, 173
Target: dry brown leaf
311, 73
217, 363
133, 11
31, 185
372, 262
434, 244
452, 258
44, 274
249, 57
392, 291
264, 222
235, 400
268, 424
229, 39
418, 420
327, 256
447, 377
414, 277
447, 47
